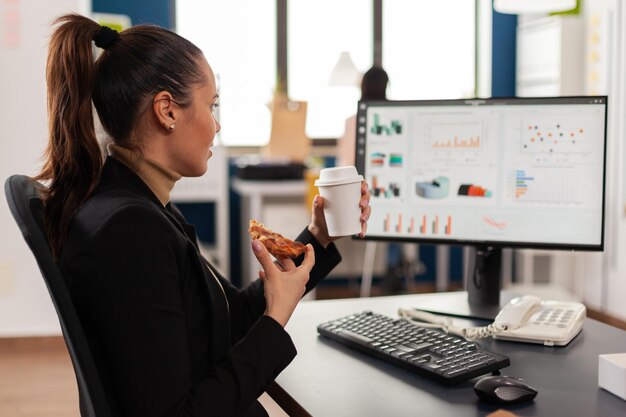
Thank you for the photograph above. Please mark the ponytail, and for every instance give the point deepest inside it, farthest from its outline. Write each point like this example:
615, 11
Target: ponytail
135, 65
73, 160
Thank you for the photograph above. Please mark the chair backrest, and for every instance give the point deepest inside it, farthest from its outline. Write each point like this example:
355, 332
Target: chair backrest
25, 204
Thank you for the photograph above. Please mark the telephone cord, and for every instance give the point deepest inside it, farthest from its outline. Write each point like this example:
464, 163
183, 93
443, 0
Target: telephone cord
425, 319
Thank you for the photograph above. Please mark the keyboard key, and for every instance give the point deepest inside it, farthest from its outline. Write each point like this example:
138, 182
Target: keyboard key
420, 347
354, 336
453, 372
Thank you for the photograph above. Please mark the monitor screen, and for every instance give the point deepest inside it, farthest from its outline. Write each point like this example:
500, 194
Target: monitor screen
519, 172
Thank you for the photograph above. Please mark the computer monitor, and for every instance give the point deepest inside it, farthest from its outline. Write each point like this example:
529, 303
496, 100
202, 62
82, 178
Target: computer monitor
487, 173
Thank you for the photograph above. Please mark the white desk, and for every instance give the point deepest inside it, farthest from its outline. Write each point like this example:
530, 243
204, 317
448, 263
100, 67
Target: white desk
254, 195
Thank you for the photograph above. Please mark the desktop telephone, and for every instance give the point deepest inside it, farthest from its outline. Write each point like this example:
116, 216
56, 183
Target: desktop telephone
524, 319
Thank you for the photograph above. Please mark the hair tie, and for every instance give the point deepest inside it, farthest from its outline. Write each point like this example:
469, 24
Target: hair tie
105, 37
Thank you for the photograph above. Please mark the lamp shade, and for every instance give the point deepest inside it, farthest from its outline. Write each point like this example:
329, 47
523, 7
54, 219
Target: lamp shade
533, 6
345, 72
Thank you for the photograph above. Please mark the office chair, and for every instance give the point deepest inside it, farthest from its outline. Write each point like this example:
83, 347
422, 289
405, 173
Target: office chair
22, 194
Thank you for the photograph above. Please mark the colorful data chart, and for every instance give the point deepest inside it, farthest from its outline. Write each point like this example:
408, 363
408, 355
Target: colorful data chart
423, 225
427, 225
553, 186
493, 225
377, 159
392, 189
554, 138
472, 142
470, 190
436, 189
521, 183
394, 127
434, 225
387, 223
448, 228
411, 228
395, 160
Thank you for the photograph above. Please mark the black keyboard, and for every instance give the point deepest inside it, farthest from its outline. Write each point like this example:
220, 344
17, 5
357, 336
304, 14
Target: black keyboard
432, 353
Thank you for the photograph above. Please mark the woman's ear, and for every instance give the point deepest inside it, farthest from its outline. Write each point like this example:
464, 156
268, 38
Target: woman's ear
165, 110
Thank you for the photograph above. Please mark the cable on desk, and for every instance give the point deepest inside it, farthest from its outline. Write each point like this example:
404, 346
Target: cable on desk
425, 319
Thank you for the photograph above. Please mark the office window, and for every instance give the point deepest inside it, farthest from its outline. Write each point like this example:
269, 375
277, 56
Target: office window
238, 38
428, 48
318, 32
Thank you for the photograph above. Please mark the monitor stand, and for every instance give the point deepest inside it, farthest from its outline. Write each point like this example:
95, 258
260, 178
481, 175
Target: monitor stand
483, 280
482, 299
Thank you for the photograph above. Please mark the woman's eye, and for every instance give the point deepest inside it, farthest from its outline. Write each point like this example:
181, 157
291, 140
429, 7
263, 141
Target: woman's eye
214, 106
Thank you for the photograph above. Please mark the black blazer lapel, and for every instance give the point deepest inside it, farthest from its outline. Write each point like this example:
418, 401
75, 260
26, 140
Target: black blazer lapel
120, 175
219, 302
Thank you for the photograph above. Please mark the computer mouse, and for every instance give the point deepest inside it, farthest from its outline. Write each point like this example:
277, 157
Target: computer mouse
504, 390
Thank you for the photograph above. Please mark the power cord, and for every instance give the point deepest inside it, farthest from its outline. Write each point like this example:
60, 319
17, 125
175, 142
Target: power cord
425, 319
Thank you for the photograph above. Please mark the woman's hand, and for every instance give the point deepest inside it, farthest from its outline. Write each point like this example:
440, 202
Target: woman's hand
318, 228
284, 283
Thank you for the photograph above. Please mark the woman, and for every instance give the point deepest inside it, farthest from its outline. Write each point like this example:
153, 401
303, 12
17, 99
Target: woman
171, 337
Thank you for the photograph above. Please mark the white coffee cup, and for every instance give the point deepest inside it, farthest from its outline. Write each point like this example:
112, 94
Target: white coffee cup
341, 189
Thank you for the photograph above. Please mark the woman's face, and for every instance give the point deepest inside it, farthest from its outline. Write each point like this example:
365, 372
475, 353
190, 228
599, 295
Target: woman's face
196, 129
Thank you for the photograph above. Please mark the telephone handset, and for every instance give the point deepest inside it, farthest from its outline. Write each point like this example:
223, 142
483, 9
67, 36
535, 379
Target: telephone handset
524, 319
518, 311
529, 319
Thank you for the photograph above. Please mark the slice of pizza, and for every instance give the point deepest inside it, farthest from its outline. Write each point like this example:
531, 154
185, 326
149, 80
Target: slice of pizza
275, 243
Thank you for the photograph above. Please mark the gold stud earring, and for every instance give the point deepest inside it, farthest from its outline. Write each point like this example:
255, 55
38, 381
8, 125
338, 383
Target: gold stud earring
171, 127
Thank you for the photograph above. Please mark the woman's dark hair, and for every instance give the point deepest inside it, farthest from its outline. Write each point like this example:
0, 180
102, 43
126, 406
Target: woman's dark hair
135, 65
374, 84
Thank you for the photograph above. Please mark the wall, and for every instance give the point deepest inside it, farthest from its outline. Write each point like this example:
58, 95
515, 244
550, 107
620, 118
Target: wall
156, 12
503, 55
605, 275
25, 307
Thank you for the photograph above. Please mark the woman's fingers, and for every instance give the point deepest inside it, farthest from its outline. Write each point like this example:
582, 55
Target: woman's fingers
309, 259
285, 263
263, 256
366, 209
365, 191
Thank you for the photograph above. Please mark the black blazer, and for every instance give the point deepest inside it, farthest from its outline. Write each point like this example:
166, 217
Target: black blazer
170, 335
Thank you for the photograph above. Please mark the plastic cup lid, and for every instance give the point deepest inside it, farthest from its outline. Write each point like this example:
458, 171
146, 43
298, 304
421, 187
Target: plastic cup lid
338, 176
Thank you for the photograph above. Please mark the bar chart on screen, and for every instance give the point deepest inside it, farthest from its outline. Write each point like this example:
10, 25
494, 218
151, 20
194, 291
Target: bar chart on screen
417, 225
546, 186
383, 126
